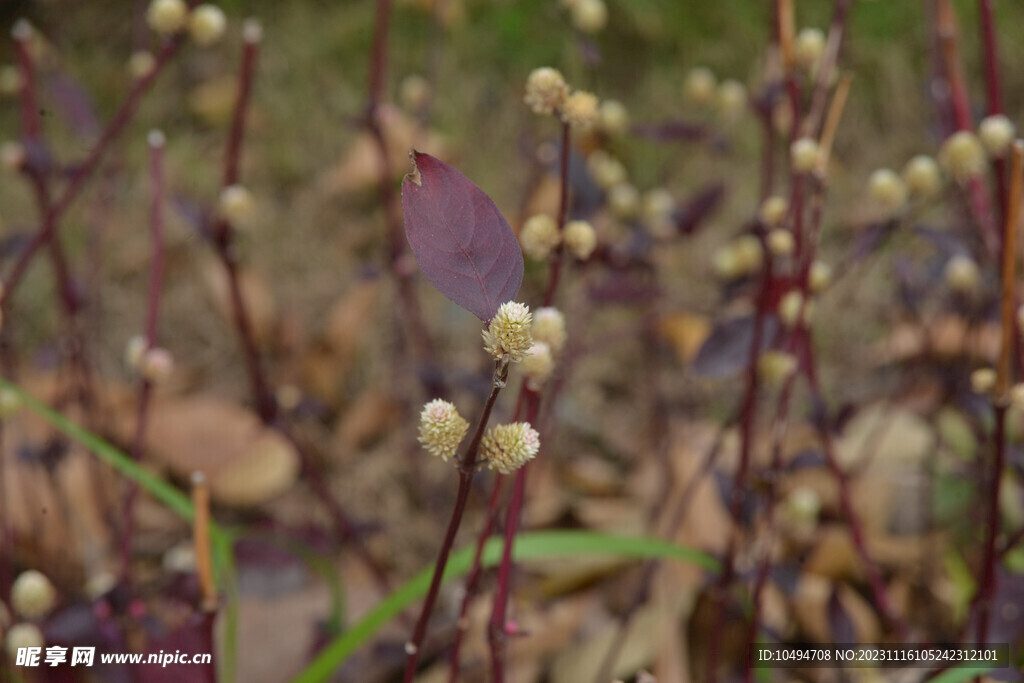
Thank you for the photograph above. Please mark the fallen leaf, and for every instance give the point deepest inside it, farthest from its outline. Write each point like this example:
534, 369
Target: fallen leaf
256, 294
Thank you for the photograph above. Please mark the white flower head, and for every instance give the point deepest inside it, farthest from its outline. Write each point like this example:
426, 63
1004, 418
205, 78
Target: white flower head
549, 327
581, 109
441, 428
206, 24
546, 90
508, 333
539, 236
580, 239
922, 176
167, 16
538, 365
962, 155
32, 594
508, 447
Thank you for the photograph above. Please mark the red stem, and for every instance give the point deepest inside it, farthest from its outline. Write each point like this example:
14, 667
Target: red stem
467, 468
145, 391
987, 584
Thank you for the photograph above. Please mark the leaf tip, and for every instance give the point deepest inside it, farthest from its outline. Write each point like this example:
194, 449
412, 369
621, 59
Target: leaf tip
414, 176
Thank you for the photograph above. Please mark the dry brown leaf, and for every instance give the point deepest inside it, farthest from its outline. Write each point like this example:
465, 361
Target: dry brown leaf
948, 336
360, 168
593, 476
685, 332
347, 319
245, 462
256, 294
370, 416
834, 556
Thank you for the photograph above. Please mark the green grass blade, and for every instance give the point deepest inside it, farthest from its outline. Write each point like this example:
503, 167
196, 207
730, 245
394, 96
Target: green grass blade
961, 674
529, 546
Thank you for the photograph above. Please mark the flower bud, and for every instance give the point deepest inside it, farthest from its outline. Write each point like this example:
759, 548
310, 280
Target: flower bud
983, 380
658, 207
781, 242
21, 636
773, 211
614, 118
157, 365
10, 403
804, 155
790, 305
206, 24
589, 16
606, 169
12, 156
141, 64
775, 366
133, 352
32, 594
546, 90
508, 333
962, 155
10, 80
962, 274
700, 85
167, 16
441, 428
581, 110
726, 263
508, 447
549, 327
236, 205
801, 509
538, 365
624, 200
996, 133
414, 92
539, 236
1017, 396
819, 276
580, 239
252, 31
809, 47
732, 99
922, 176
749, 253
887, 190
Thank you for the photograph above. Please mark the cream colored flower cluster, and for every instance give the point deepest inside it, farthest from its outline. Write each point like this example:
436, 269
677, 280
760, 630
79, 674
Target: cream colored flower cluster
441, 428
508, 447
205, 23
548, 93
508, 333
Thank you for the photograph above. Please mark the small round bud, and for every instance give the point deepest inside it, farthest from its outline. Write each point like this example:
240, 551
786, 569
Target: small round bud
156, 365
801, 508
133, 352
12, 156
775, 366
21, 636
749, 253
962, 274
983, 380
549, 327
22, 29
781, 242
206, 24
580, 110
589, 16
658, 209
614, 118
538, 365
580, 239
441, 428
539, 236
887, 190
804, 155
962, 155
732, 99
236, 205
700, 85
32, 594
156, 138
790, 306
1017, 396
414, 92
252, 31
606, 169
546, 90
10, 403
922, 176
167, 16
141, 64
624, 200
726, 263
819, 276
508, 333
773, 211
996, 133
508, 447
10, 80
808, 48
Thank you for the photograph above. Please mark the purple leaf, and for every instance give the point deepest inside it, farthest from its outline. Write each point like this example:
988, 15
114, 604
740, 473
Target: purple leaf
463, 244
